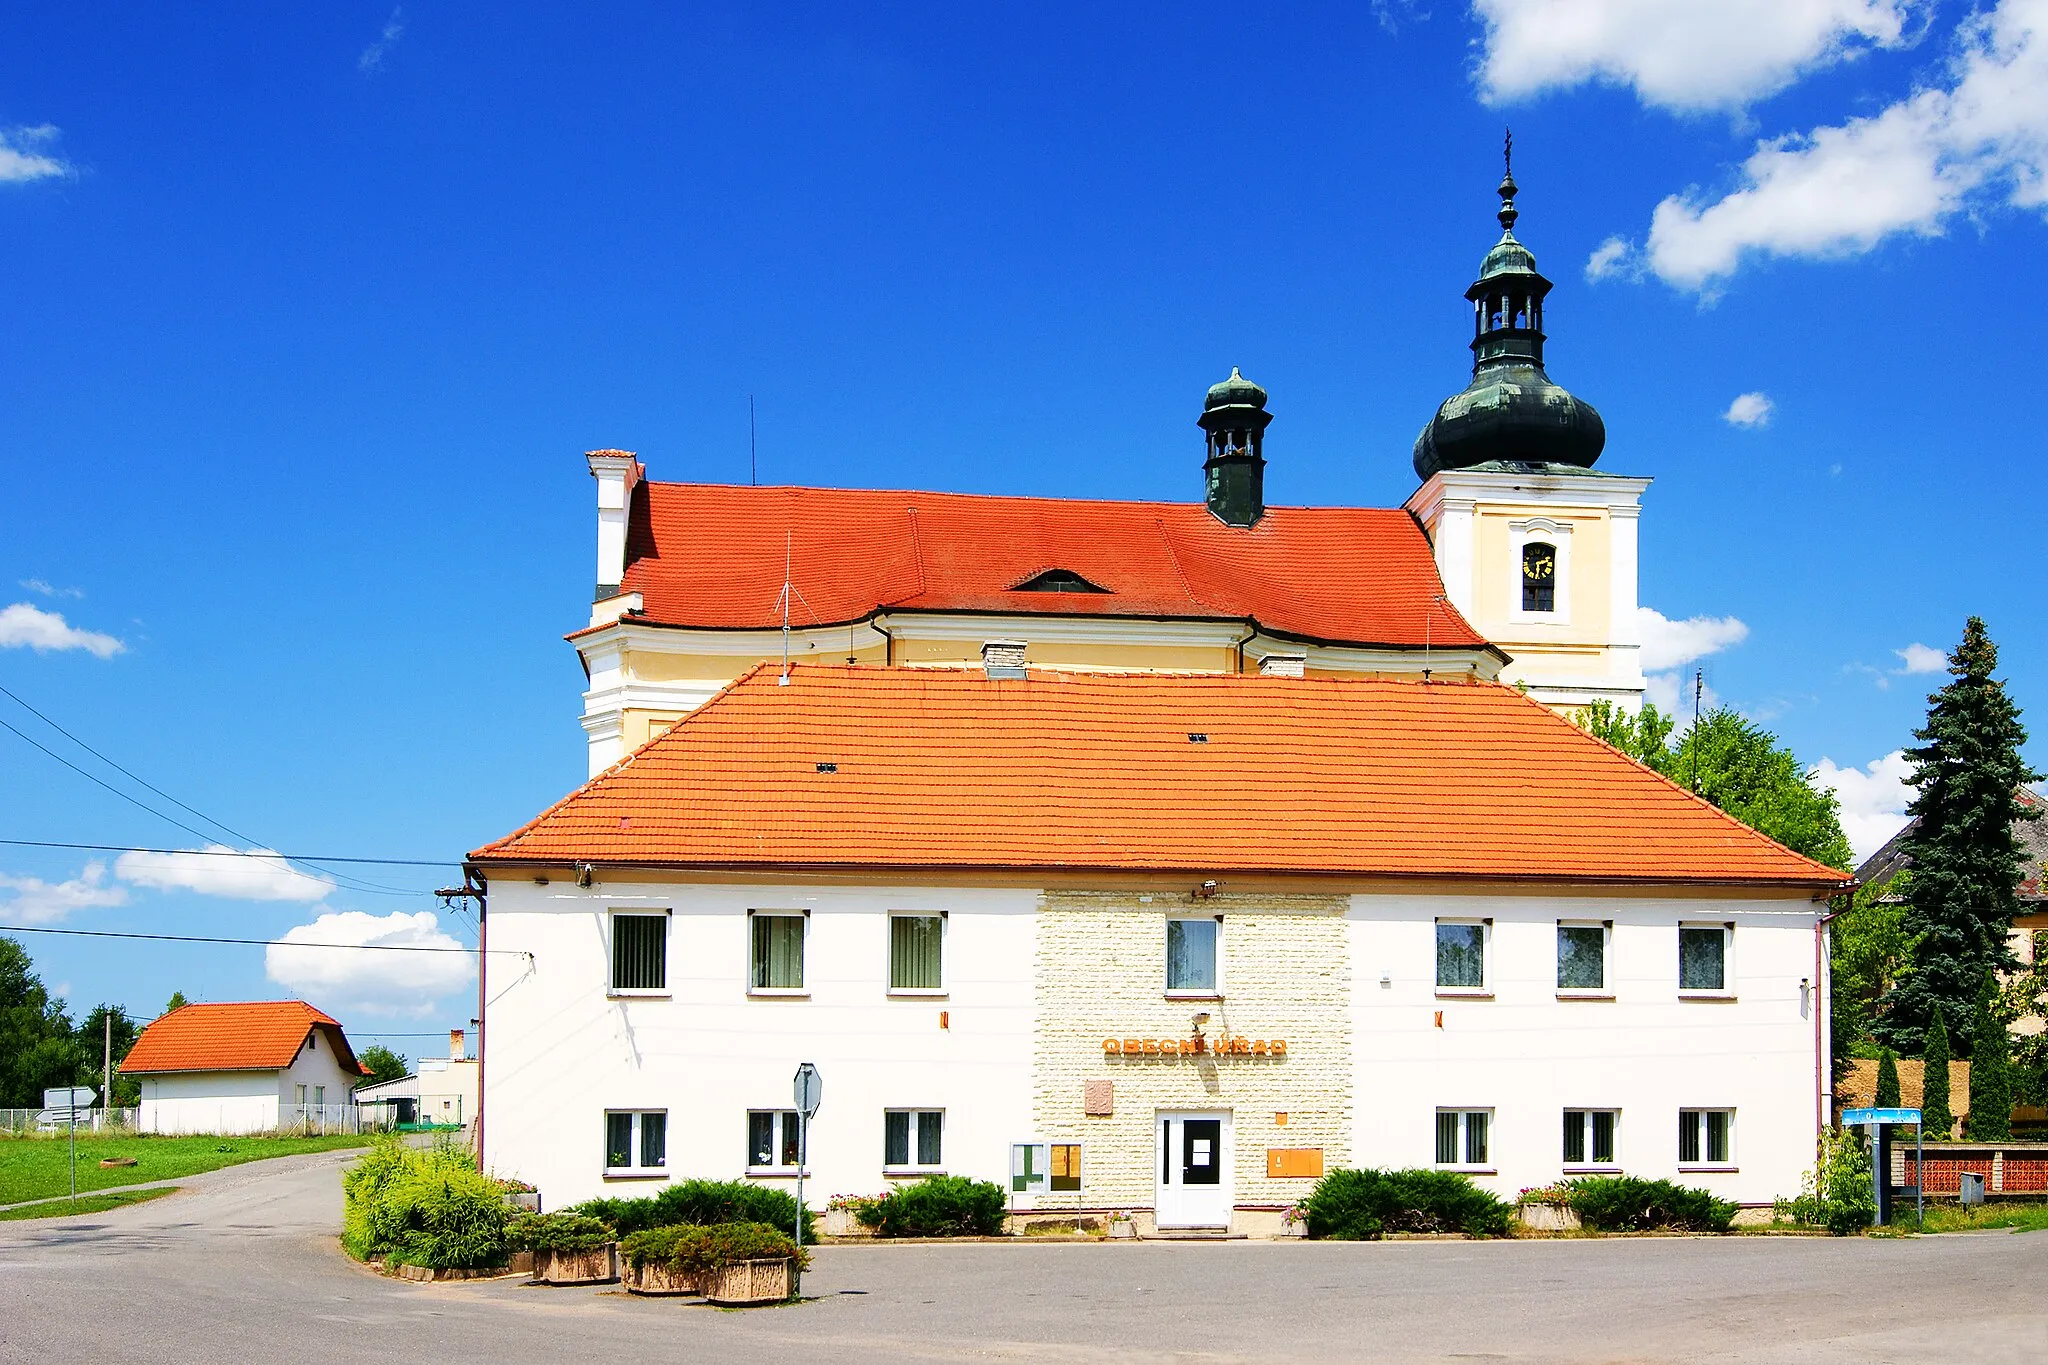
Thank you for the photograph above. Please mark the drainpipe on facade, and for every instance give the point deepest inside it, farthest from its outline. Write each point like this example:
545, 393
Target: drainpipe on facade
1823, 1003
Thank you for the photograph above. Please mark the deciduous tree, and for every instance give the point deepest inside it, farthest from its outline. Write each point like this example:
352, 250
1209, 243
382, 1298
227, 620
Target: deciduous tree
384, 1064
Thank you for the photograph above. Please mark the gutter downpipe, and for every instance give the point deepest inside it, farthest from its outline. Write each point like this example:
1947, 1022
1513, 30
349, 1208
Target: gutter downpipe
483, 957
1823, 1002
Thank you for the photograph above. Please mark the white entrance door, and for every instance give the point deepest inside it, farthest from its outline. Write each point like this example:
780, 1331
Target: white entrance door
1192, 1162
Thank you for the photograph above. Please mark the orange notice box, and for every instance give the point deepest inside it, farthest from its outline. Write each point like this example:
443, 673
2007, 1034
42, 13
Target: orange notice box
1288, 1161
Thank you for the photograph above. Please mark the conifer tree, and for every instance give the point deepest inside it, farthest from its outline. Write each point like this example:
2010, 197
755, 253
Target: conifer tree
1935, 1119
1967, 864
1990, 1116
1887, 1096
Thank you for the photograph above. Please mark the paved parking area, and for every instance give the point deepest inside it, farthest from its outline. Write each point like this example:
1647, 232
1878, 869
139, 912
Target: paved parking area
242, 1266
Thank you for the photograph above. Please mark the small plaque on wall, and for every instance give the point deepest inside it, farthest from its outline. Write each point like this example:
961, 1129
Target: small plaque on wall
1282, 1162
1098, 1098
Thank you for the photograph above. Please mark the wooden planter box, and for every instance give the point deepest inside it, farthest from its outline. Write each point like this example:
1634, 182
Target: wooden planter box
749, 1282
653, 1279
600, 1266
842, 1223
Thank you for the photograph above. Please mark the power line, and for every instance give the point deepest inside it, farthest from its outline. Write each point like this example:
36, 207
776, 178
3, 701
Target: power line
260, 942
232, 853
355, 883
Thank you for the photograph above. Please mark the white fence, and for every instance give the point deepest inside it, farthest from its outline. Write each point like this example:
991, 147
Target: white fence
16, 1121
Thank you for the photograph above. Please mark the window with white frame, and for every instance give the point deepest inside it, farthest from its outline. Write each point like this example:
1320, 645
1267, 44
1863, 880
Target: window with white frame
1703, 957
777, 949
1191, 955
917, 945
1460, 955
913, 1139
635, 1141
774, 1140
1463, 1137
1581, 957
1589, 1136
319, 1095
299, 1096
1706, 1137
639, 951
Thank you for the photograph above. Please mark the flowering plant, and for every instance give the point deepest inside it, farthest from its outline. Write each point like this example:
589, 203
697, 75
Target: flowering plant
1559, 1193
1296, 1212
865, 1208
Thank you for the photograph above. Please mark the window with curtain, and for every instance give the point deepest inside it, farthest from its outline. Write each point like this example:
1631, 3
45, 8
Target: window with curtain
1706, 1137
636, 1139
1462, 1136
916, 943
1581, 957
1460, 955
774, 1139
1191, 954
913, 1138
1589, 1137
639, 952
778, 952
1702, 958
1539, 576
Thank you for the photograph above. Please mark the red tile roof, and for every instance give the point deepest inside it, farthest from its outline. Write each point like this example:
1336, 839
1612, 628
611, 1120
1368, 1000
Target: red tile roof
714, 555
950, 769
260, 1035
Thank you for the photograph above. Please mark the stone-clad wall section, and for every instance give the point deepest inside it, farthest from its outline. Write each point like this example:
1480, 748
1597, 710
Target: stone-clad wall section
1101, 971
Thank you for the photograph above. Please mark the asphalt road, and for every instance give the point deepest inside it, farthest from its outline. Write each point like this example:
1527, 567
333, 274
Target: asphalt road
242, 1266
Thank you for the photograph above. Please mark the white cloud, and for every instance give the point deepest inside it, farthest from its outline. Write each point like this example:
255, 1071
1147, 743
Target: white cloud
1615, 258
26, 626
21, 161
1978, 140
1669, 644
50, 590
379, 983
36, 901
1919, 658
372, 58
1393, 13
1749, 410
1873, 798
1680, 54
1662, 690
233, 874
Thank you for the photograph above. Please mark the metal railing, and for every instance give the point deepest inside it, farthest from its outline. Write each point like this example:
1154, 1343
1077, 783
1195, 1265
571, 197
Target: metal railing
16, 1122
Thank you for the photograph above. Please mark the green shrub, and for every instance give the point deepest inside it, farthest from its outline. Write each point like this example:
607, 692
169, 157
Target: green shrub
688, 1249
702, 1202
938, 1206
1837, 1194
556, 1232
1627, 1203
427, 1208
1365, 1205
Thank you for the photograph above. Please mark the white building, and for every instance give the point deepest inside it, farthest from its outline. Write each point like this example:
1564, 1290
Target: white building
440, 1090
1191, 940
241, 1068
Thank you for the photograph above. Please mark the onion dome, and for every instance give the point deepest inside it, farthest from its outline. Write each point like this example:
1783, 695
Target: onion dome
1510, 412
1233, 422
1234, 392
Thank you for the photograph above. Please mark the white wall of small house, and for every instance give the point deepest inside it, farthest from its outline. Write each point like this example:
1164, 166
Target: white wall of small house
316, 1066
209, 1102
561, 1051
1528, 1053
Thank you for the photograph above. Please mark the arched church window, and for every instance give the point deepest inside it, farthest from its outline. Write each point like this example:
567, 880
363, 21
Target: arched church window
1539, 576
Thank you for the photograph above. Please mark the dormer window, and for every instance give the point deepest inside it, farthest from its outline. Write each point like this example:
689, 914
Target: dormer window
1539, 576
1057, 580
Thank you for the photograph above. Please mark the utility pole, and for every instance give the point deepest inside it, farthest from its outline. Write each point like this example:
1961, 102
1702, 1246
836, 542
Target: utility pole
107, 1068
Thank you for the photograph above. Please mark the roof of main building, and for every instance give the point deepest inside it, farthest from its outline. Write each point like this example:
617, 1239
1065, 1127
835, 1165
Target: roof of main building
258, 1035
950, 769
717, 556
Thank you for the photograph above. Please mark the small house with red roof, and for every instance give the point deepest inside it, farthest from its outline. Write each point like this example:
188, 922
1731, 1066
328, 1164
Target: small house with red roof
244, 1067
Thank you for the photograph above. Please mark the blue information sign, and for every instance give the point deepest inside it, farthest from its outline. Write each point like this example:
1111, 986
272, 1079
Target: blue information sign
1855, 1118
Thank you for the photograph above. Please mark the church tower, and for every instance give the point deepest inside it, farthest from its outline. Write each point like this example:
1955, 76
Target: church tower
1235, 418
1535, 546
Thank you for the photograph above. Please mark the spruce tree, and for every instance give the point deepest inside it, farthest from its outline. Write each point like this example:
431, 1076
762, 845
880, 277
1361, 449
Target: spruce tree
1935, 1119
1887, 1096
1990, 1116
1967, 864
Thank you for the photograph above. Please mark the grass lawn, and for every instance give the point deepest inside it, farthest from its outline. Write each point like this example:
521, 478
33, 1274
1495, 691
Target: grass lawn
1950, 1218
38, 1167
87, 1203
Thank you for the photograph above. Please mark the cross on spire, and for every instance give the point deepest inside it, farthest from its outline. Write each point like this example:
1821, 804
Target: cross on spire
1508, 213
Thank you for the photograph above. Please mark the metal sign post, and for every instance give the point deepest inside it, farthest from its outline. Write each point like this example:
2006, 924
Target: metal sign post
809, 1093
1877, 1120
68, 1098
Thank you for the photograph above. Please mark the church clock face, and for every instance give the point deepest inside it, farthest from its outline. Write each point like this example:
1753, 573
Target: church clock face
1539, 577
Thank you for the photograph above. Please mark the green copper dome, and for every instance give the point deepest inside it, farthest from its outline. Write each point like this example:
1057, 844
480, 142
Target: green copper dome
1511, 411
1236, 391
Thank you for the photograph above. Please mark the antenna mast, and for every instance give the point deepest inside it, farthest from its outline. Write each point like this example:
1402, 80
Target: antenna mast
788, 548
753, 462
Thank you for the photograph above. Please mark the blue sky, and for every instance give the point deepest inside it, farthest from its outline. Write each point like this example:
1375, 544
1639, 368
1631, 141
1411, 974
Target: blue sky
310, 315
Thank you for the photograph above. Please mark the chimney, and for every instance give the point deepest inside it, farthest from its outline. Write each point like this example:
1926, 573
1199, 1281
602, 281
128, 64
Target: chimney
616, 471
455, 1052
1003, 658
1284, 666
